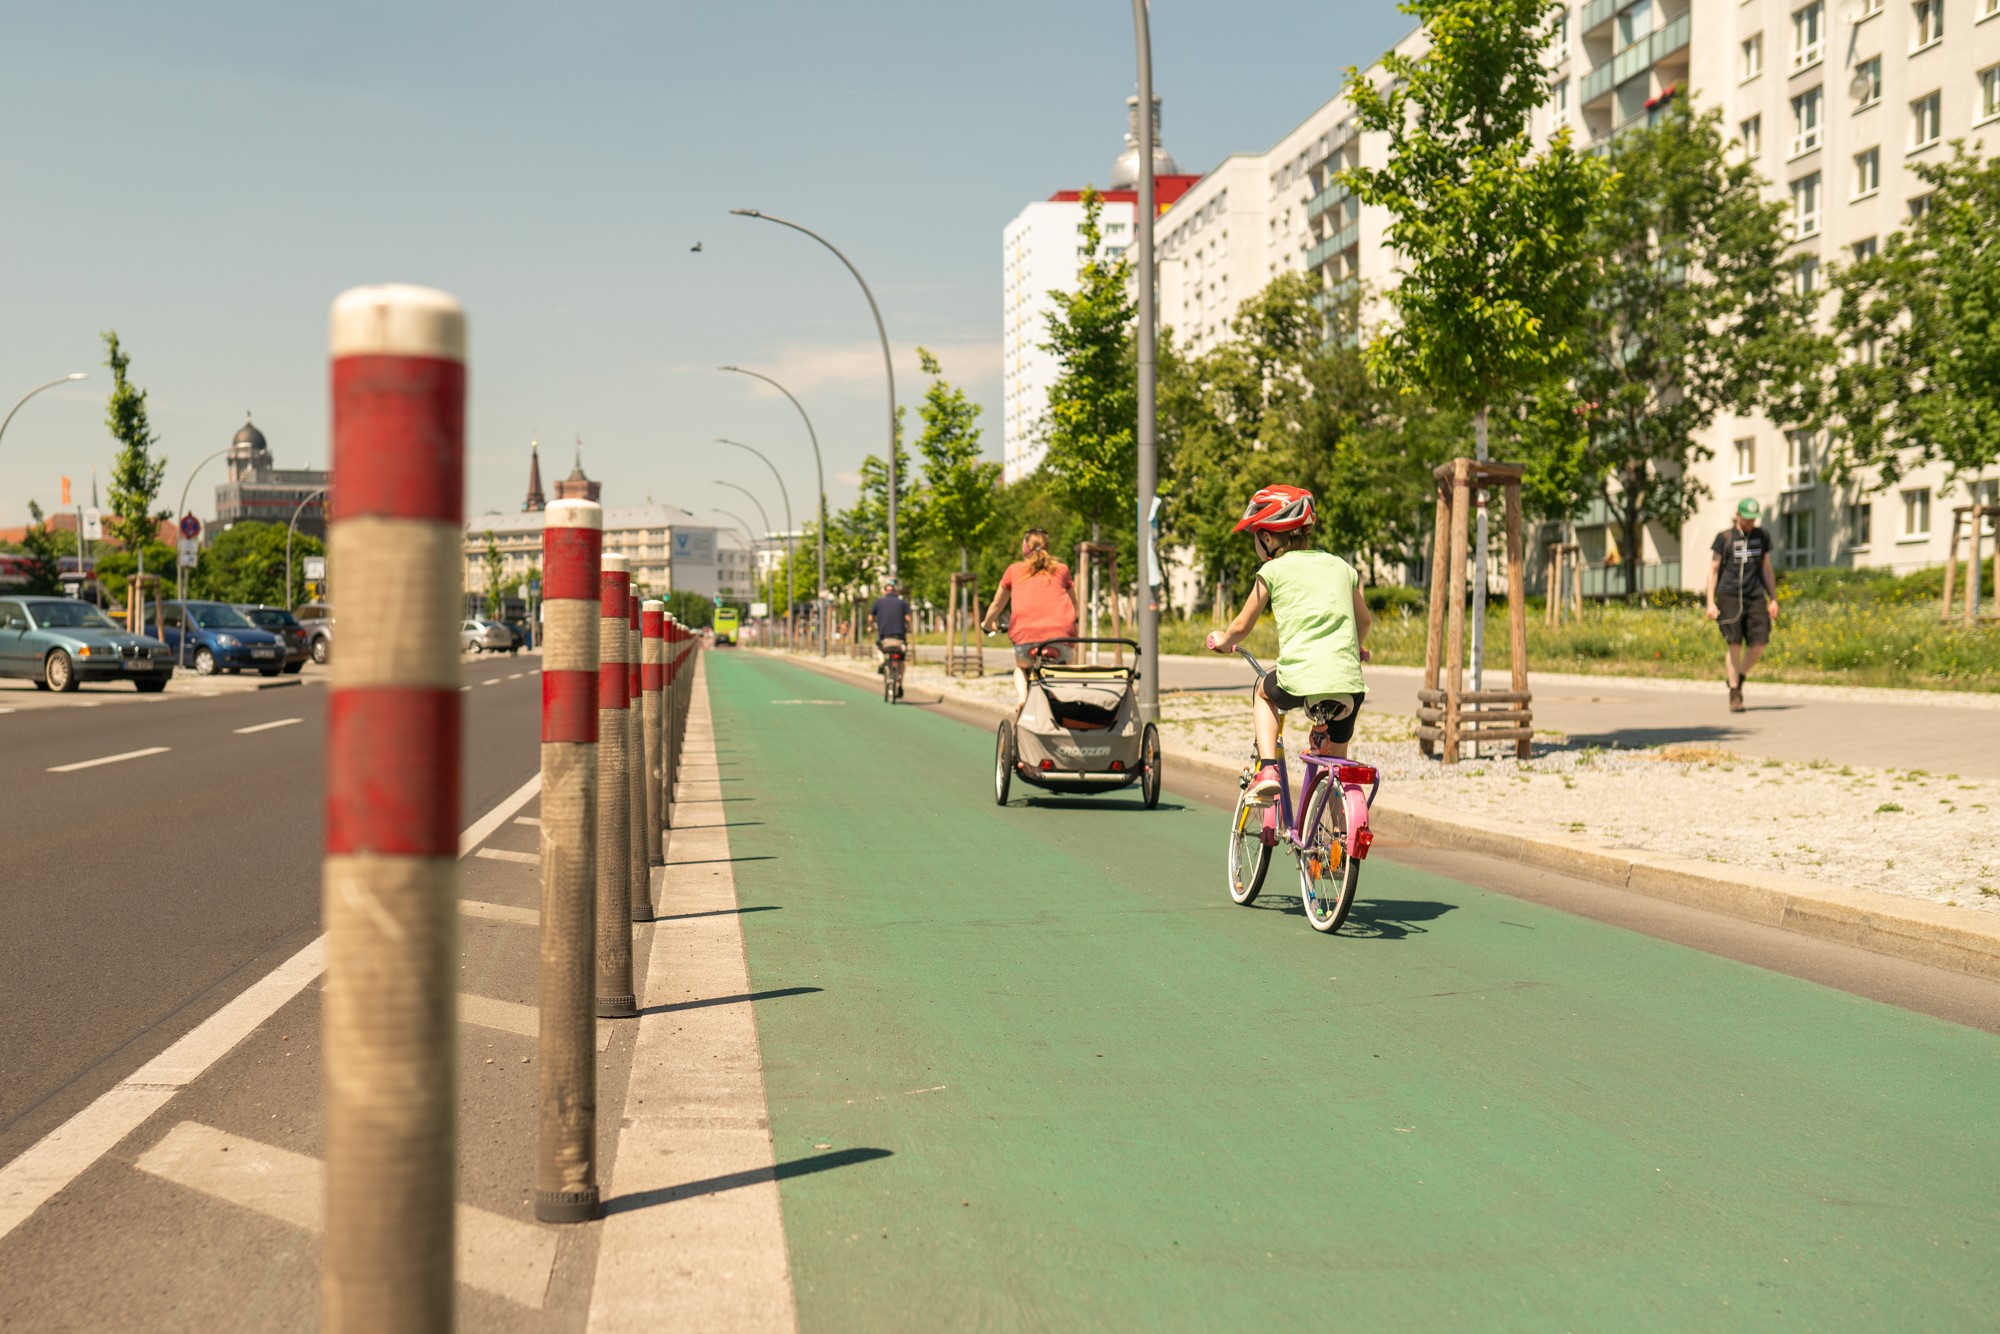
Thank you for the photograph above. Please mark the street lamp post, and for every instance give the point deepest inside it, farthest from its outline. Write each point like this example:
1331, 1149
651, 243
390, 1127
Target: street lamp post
888, 363
768, 530
290, 529
180, 571
791, 573
819, 467
65, 379
1149, 459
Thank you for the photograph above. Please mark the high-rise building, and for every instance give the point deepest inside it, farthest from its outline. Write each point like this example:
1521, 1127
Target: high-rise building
258, 490
1040, 252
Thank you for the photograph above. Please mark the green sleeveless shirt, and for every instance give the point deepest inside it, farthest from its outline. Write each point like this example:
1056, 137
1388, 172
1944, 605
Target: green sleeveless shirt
1312, 599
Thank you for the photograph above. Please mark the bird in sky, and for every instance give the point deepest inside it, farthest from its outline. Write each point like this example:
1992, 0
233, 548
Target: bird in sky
695, 249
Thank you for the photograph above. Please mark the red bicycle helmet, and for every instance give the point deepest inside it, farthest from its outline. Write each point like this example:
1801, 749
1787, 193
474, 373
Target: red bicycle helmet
1278, 509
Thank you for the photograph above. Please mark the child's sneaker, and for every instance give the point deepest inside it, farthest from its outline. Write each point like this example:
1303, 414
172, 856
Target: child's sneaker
1264, 787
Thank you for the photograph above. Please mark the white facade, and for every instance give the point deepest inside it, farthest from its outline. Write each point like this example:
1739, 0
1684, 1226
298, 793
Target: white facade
1041, 252
1210, 253
668, 547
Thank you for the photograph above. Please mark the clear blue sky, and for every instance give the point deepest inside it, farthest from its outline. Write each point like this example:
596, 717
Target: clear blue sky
204, 177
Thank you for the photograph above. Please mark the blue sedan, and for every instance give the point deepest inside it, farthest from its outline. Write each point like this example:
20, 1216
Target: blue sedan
59, 643
215, 637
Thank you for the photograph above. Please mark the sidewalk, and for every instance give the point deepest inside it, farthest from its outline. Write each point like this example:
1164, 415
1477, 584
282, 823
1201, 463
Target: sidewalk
1902, 862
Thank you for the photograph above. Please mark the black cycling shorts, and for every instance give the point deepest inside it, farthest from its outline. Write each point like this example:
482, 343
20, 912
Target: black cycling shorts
1745, 618
1336, 713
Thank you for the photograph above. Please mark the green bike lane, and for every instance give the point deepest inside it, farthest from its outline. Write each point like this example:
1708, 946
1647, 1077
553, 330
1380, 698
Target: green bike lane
1074, 1087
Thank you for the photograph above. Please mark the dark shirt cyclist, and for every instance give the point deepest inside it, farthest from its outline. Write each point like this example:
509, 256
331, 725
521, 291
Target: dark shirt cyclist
1742, 596
891, 617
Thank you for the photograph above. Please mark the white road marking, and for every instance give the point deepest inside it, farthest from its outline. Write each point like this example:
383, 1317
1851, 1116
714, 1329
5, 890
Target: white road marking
516, 676
499, 912
59, 1157
504, 855
534, 820
508, 1017
265, 727
465, 690
495, 1254
110, 759
494, 682
8, 709
841, 703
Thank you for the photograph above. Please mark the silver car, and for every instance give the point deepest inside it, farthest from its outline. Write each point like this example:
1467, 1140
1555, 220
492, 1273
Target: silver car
477, 636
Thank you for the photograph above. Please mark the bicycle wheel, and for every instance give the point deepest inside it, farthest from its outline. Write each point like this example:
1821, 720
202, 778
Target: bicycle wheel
888, 686
1003, 763
1149, 760
1327, 875
1249, 857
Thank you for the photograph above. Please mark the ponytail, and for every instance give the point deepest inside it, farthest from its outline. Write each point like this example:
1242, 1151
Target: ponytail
1035, 550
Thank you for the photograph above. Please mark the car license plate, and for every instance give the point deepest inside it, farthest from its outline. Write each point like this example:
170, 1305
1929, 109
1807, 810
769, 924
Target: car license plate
138, 665
266, 652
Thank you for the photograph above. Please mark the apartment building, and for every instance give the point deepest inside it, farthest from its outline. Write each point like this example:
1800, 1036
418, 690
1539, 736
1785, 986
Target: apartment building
669, 549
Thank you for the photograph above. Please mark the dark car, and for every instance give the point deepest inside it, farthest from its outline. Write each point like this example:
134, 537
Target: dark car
214, 637
317, 621
60, 643
297, 641
524, 634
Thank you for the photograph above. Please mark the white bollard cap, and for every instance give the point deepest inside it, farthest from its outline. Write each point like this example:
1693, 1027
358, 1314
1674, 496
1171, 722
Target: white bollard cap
398, 320
574, 514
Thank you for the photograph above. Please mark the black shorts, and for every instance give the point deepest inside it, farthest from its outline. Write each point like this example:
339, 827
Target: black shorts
1745, 619
1336, 713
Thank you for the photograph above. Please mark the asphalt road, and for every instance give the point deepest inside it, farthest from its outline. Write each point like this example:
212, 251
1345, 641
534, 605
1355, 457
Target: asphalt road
141, 895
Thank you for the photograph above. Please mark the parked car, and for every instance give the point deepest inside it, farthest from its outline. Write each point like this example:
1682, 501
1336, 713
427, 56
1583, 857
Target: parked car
524, 633
298, 644
317, 621
481, 636
214, 637
60, 643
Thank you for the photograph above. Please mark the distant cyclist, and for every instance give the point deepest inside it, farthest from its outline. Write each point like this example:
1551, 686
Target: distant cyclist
1742, 596
1039, 589
1315, 597
891, 618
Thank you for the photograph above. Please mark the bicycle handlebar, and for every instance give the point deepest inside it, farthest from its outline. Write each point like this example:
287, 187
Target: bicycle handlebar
1255, 665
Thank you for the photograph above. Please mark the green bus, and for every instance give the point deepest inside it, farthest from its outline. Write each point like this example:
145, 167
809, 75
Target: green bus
727, 620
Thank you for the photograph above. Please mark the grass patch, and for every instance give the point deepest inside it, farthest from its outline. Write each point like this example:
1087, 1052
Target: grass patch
1887, 808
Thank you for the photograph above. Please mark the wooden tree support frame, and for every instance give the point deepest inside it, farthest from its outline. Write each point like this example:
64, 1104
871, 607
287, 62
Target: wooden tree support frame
963, 655
1448, 715
1968, 517
1565, 590
1097, 571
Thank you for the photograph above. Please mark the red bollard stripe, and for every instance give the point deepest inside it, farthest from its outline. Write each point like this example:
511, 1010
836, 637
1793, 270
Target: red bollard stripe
392, 755
569, 564
416, 403
569, 706
651, 677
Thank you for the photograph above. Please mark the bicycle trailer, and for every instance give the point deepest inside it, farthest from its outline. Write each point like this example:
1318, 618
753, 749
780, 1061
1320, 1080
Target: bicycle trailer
1080, 729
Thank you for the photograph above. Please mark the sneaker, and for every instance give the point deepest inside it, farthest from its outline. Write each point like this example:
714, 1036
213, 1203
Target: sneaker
1736, 699
1264, 787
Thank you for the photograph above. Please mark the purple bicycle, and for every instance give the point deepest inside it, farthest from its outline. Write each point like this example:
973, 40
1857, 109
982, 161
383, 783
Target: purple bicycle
1330, 837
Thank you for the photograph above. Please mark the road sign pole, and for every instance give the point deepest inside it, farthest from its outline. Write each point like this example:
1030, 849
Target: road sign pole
390, 1011
614, 798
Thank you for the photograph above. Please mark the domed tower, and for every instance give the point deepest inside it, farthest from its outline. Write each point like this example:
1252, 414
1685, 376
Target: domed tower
249, 455
1125, 171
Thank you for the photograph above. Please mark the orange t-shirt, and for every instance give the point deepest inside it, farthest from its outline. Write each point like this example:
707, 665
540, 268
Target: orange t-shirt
1042, 604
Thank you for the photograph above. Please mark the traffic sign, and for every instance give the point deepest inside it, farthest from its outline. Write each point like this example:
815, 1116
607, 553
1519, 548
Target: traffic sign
93, 524
190, 527
315, 568
190, 553
534, 588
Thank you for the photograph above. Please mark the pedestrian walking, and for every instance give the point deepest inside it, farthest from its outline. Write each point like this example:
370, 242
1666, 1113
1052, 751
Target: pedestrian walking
1742, 596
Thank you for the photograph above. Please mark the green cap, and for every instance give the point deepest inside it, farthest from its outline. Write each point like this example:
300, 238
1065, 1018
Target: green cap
1748, 508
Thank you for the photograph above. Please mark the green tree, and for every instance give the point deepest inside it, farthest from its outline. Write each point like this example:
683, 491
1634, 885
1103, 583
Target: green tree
246, 563
1489, 226
135, 474
1692, 311
1092, 425
691, 609
492, 564
958, 507
1918, 330
43, 547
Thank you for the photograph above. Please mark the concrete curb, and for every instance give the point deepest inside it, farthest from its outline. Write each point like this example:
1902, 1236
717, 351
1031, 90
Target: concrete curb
1909, 929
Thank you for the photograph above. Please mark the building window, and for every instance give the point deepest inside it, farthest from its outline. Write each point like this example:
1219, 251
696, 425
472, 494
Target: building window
1562, 34
1920, 205
1925, 122
1864, 250
1805, 206
1753, 57
1798, 460
1797, 537
1930, 23
1987, 9
1916, 513
1745, 454
1752, 134
1805, 122
1867, 173
1989, 92
1635, 24
1562, 97
1808, 35
1860, 525
1869, 73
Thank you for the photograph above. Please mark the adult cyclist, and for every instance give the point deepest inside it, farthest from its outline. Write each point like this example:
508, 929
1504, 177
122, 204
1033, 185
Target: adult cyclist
891, 618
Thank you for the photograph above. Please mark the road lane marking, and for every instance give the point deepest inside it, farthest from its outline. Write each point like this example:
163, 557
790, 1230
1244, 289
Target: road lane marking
110, 759
265, 727
534, 820
465, 690
505, 855
509, 1017
495, 1254
499, 912
516, 676
59, 1157
494, 682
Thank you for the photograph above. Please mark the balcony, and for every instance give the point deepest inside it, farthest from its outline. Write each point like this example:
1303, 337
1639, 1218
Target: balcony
1333, 245
1636, 59
1327, 200
1336, 295
1598, 13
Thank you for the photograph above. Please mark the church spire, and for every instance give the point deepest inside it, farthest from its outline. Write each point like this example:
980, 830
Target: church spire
535, 502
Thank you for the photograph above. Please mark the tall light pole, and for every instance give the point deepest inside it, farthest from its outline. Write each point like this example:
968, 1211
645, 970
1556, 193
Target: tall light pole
791, 573
819, 467
888, 363
1149, 457
768, 530
290, 529
65, 379
743, 529
180, 571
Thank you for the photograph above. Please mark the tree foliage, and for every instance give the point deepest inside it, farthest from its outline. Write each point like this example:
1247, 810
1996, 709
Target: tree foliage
245, 562
43, 547
1092, 423
135, 473
957, 506
1918, 330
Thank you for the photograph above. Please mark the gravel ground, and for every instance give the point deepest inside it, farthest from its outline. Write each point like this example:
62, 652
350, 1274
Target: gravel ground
1928, 836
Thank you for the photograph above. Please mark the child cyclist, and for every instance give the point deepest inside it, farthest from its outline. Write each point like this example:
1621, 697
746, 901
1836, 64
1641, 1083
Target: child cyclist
1322, 620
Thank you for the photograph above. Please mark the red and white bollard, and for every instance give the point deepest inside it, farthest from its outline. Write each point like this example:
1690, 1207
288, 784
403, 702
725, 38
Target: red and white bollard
390, 1010
614, 797
651, 676
566, 1160
635, 767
